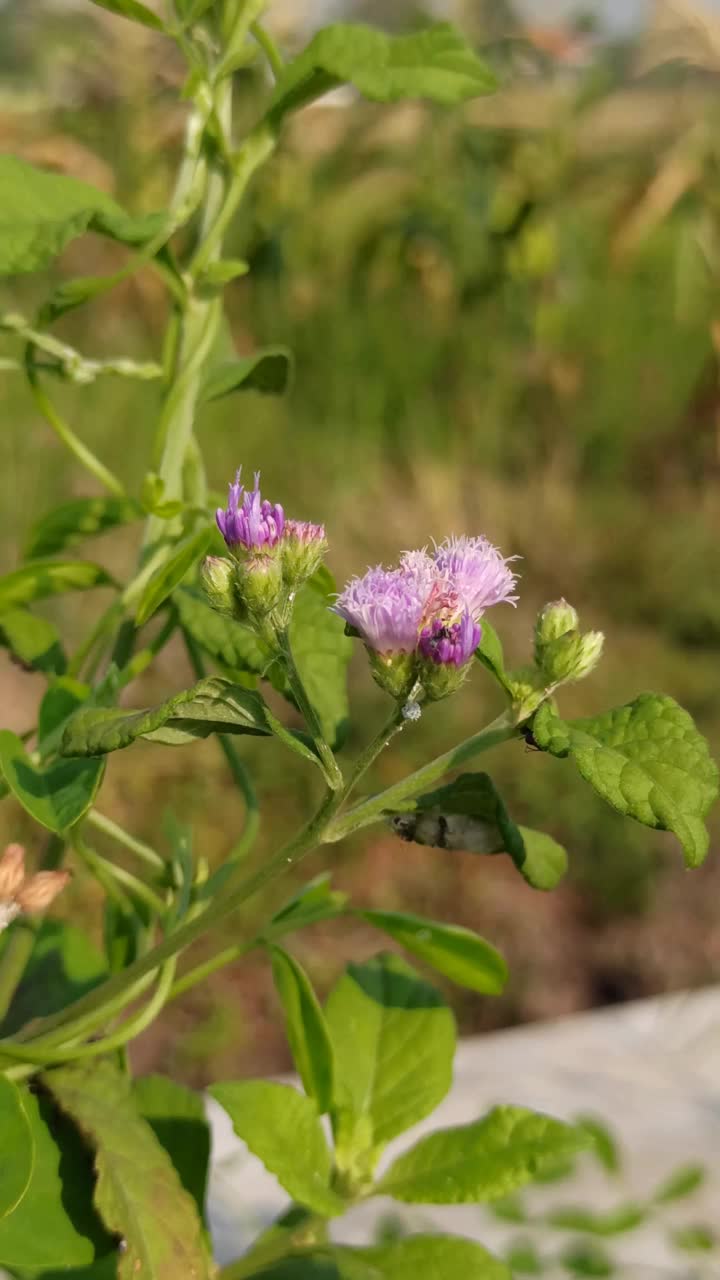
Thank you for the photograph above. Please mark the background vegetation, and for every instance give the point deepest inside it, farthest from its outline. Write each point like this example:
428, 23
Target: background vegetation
505, 320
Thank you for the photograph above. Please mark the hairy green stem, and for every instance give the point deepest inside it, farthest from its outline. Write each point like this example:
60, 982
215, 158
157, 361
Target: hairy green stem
64, 432
332, 770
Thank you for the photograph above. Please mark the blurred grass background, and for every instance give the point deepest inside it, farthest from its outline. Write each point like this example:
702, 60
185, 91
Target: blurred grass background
506, 320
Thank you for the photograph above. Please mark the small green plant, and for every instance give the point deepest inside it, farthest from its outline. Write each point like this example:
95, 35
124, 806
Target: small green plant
246, 588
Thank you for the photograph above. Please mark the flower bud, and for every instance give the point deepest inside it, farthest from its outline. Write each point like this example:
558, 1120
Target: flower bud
259, 585
439, 680
394, 672
42, 889
554, 620
12, 871
571, 657
217, 577
528, 690
302, 548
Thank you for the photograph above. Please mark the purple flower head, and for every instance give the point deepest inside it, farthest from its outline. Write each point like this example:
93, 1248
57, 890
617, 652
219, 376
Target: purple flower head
477, 572
249, 521
386, 606
450, 643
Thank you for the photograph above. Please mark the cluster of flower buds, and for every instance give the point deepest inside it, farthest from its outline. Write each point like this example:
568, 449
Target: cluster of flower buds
25, 895
420, 621
563, 655
270, 557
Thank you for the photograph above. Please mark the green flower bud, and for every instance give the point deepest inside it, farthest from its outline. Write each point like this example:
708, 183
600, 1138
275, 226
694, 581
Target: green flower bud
439, 680
528, 688
259, 585
302, 548
554, 620
396, 673
217, 576
571, 657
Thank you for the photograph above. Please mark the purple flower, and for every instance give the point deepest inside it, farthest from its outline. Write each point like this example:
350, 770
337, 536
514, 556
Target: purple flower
450, 644
477, 572
386, 606
248, 521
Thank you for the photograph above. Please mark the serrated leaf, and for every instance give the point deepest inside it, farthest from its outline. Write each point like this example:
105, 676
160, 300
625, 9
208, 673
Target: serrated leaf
315, 901
490, 653
481, 1161
224, 639
305, 1027
41, 578
469, 814
134, 10
17, 1146
681, 1183
394, 1041
645, 759
63, 966
54, 1224
421, 1257
263, 1115
82, 518
177, 1117
171, 573
436, 63
457, 953
43, 211
268, 371
322, 652
138, 1192
57, 794
35, 642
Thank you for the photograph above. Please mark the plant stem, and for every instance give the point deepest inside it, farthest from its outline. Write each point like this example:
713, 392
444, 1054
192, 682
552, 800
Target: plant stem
372, 809
333, 773
79, 450
123, 837
269, 48
208, 967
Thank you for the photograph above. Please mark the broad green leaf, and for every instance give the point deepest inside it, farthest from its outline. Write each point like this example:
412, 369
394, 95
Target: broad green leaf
646, 759
224, 639
614, 1222
457, 953
269, 371
305, 1027
134, 10
469, 814
394, 1042
176, 1116
171, 573
322, 652
40, 578
62, 699
63, 966
436, 63
490, 653
54, 1225
73, 521
480, 1161
35, 642
55, 794
43, 211
421, 1257
264, 1115
681, 1183
315, 901
604, 1147
16, 1147
138, 1192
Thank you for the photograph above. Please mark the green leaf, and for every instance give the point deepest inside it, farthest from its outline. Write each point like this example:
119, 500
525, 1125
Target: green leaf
469, 814
681, 1183
63, 966
481, 1161
604, 1147
82, 518
44, 211
171, 573
695, 1239
394, 1042
315, 901
322, 652
16, 1144
134, 10
268, 371
54, 1224
646, 759
56, 794
224, 639
613, 1223
458, 953
33, 641
436, 63
278, 1240
305, 1027
41, 578
524, 1259
217, 274
176, 1116
138, 1192
587, 1258
490, 653
421, 1257
62, 699
264, 1115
